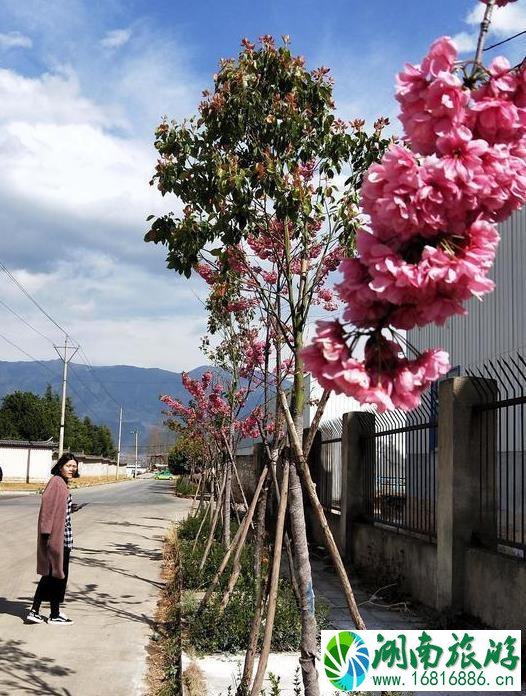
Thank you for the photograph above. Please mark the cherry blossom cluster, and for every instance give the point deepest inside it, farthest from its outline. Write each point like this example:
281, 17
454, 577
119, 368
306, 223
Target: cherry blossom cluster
433, 204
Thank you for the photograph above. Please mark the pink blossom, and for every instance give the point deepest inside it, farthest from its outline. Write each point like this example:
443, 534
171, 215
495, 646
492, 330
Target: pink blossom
388, 192
207, 272
499, 3
503, 180
497, 120
384, 378
503, 82
364, 308
460, 154
270, 277
439, 282
440, 58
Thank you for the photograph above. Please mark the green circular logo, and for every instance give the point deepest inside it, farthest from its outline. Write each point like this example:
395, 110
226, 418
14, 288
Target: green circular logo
346, 660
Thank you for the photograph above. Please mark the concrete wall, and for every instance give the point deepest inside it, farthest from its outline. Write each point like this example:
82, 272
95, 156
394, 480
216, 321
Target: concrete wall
98, 469
26, 464
249, 468
495, 589
395, 557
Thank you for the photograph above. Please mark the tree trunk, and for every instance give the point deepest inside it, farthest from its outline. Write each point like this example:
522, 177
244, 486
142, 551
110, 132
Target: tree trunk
309, 632
191, 513
274, 584
288, 547
308, 645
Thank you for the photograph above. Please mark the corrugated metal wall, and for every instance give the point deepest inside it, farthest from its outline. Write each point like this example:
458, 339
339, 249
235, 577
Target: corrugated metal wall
497, 325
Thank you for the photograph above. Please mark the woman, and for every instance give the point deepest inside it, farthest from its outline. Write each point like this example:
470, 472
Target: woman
55, 541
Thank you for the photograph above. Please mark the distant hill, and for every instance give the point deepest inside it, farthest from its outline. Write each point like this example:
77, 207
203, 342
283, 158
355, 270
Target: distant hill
137, 388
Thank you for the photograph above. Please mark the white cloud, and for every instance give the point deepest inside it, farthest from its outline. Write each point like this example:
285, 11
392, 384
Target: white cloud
465, 42
14, 39
50, 98
115, 38
101, 301
61, 143
73, 197
505, 22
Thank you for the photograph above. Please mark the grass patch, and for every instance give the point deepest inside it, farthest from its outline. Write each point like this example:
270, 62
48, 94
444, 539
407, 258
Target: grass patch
39, 486
184, 488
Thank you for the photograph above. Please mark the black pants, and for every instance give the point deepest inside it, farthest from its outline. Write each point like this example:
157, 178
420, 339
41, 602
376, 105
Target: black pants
52, 590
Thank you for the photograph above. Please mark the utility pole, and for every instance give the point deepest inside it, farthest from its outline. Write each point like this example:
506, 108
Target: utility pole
135, 432
119, 445
65, 359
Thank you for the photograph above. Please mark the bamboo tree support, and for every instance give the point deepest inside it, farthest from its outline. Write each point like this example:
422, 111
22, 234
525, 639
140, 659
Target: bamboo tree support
274, 585
320, 516
236, 568
234, 466
259, 593
217, 512
205, 477
288, 545
237, 541
208, 511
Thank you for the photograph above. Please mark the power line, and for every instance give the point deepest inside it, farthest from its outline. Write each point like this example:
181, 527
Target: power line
26, 292
45, 367
9, 309
510, 38
31, 357
92, 370
19, 285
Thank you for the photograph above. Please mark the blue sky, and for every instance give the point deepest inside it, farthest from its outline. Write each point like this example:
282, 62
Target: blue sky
82, 87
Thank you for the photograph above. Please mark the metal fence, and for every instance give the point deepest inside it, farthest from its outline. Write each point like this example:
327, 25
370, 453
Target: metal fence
329, 473
400, 468
500, 453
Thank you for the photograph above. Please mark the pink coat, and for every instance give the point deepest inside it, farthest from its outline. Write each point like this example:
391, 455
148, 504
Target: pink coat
52, 521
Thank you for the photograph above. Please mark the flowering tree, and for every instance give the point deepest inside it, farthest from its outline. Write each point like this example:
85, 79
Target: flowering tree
431, 238
265, 202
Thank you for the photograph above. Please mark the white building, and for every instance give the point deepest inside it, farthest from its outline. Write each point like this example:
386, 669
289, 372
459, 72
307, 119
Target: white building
24, 461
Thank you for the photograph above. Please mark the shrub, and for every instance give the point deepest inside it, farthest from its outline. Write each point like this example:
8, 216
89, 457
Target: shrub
184, 487
209, 632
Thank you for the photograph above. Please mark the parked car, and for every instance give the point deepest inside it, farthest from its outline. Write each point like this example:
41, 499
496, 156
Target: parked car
164, 475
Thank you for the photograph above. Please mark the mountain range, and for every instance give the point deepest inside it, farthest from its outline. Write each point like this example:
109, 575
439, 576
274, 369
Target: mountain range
98, 391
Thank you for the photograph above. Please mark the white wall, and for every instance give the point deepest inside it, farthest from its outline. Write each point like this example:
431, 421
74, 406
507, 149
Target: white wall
97, 469
22, 464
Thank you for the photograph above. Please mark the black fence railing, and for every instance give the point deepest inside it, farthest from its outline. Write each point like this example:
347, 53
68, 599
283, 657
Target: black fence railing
399, 462
501, 452
329, 465
330, 479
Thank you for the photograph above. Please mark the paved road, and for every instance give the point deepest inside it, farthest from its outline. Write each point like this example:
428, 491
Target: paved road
112, 592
